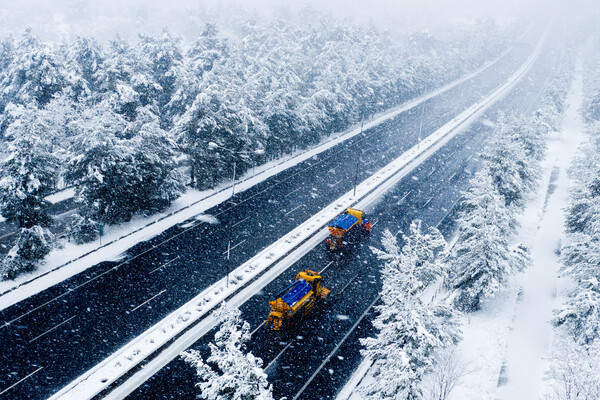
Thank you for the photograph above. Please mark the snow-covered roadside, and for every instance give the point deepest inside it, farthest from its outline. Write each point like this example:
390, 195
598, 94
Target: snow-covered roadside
72, 259
505, 344
251, 276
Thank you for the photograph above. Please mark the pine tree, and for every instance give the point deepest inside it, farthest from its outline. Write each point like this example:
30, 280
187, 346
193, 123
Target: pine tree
34, 75
123, 169
84, 63
26, 177
33, 244
409, 331
481, 257
428, 250
236, 374
504, 161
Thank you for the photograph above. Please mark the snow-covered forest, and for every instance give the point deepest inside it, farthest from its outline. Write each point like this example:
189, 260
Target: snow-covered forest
130, 124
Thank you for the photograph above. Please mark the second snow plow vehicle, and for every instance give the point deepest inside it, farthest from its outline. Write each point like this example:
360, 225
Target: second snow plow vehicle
297, 299
343, 225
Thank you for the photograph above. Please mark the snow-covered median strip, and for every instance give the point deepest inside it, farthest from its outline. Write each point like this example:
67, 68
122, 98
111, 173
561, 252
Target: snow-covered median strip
119, 239
177, 331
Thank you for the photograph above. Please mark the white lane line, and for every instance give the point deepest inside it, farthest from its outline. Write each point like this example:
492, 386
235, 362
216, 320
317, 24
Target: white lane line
150, 299
291, 193
279, 355
431, 173
334, 184
68, 291
312, 377
229, 249
164, 265
51, 329
405, 196
347, 284
237, 223
291, 211
257, 328
327, 266
452, 177
427, 202
15, 384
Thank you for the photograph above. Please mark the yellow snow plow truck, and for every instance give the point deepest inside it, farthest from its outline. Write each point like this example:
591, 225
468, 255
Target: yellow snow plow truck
296, 300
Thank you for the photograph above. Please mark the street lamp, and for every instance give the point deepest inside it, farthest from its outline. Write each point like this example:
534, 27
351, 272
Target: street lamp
214, 146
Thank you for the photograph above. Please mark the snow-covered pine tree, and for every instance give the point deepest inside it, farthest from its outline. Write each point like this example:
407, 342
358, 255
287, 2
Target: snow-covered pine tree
123, 169
409, 331
34, 75
481, 257
504, 161
230, 373
33, 244
580, 255
428, 250
26, 177
84, 62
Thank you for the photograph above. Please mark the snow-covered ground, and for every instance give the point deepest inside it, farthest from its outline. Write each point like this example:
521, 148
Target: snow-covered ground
71, 259
506, 343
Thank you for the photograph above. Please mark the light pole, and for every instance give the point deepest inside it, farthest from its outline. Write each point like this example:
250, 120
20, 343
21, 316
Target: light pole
214, 146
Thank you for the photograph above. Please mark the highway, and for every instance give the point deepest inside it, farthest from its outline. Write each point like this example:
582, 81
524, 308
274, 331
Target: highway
60, 333
313, 361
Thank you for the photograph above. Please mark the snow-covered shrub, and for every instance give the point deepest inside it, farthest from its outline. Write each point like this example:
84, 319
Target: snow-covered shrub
408, 330
580, 255
83, 229
230, 372
573, 372
33, 244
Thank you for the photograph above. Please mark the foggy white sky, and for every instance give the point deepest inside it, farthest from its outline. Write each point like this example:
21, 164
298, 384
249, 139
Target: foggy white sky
61, 19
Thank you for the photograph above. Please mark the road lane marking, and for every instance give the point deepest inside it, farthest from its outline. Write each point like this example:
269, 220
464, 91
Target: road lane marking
150, 299
427, 202
431, 173
51, 329
279, 355
334, 184
347, 284
291, 211
164, 265
237, 223
292, 192
327, 266
452, 176
405, 196
15, 384
258, 327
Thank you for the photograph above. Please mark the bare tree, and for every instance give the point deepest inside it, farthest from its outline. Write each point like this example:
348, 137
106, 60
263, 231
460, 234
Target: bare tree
573, 371
448, 371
